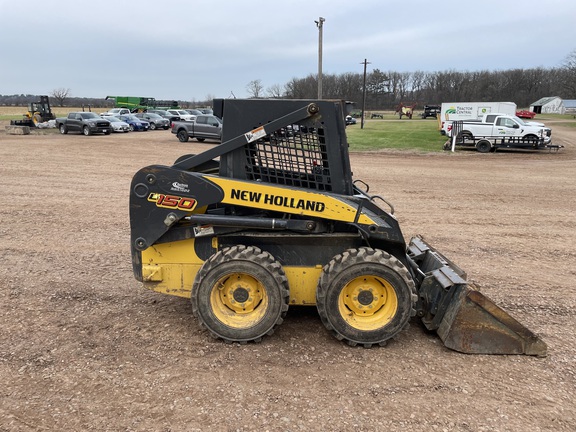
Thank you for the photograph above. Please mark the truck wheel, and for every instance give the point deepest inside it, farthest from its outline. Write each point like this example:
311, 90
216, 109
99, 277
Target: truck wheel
201, 139
240, 294
483, 146
365, 296
532, 140
63, 129
86, 131
182, 135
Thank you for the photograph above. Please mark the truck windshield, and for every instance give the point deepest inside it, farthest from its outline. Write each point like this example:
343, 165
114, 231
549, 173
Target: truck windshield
520, 121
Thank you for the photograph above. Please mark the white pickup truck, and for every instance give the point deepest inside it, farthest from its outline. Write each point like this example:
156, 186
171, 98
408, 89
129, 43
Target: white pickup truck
500, 130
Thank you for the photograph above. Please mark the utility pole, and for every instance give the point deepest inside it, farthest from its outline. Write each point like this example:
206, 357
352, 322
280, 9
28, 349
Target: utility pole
365, 63
319, 24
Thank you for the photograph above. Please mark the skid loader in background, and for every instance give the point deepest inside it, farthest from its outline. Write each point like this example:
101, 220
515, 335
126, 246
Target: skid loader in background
38, 112
272, 218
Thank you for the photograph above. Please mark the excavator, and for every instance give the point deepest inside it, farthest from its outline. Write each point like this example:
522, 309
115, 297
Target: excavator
38, 112
272, 218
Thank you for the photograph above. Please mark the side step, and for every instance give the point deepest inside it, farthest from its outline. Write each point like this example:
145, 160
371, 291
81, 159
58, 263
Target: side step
465, 319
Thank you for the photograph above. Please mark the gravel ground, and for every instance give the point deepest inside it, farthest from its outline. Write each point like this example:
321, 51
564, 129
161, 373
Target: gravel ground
85, 347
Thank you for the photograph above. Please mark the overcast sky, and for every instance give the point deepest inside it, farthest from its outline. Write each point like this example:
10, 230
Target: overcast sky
188, 50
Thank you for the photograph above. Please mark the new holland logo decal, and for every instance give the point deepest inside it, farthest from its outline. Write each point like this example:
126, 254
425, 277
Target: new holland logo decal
278, 200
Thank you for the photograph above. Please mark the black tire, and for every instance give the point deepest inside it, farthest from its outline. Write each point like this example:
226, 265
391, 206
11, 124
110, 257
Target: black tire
182, 135
63, 129
532, 140
484, 146
152, 126
240, 294
201, 139
365, 296
86, 131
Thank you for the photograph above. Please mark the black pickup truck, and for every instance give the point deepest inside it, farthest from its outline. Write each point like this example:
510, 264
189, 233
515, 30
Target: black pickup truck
203, 127
87, 123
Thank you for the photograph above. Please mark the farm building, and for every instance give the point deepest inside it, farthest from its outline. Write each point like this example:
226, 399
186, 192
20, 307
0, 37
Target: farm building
548, 105
570, 106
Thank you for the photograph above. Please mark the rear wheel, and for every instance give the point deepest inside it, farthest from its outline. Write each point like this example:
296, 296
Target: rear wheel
182, 135
201, 139
152, 126
365, 296
240, 294
483, 146
63, 129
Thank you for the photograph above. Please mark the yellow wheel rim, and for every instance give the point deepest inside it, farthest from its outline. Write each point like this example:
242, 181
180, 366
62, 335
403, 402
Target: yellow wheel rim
239, 300
368, 303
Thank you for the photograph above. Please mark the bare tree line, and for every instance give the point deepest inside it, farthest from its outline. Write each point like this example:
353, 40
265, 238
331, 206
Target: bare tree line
63, 98
386, 89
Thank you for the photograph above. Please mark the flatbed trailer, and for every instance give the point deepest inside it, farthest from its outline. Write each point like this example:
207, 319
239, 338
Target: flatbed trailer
491, 143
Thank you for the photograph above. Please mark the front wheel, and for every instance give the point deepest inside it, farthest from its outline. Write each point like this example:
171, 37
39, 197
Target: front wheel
532, 140
86, 131
182, 135
365, 296
240, 294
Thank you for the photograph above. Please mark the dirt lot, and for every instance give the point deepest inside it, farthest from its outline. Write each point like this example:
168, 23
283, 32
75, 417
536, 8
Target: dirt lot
85, 347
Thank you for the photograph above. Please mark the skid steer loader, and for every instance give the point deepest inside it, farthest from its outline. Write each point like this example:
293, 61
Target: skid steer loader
272, 218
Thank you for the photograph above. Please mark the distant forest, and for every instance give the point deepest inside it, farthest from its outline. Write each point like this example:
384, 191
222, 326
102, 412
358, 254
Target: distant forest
385, 90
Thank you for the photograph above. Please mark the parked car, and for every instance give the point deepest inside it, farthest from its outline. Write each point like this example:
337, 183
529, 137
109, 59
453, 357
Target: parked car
431, 111
194, 112
135, 123
165, 114
116, 112
205, 126
183, 114
156, 120
206, 111
87, 123
117, 124
350, 120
